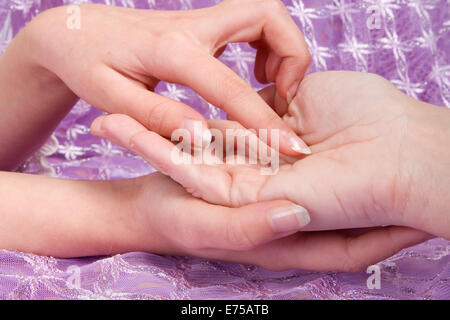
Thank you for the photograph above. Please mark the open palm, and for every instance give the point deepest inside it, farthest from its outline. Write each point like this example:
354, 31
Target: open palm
355, 125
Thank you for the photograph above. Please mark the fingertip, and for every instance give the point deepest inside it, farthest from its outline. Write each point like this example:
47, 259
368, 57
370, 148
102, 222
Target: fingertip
292, 145
270, 220
288, 218
199, 130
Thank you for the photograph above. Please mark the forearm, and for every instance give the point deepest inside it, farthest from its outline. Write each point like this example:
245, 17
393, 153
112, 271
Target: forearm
32, 101
67, 218
427, 166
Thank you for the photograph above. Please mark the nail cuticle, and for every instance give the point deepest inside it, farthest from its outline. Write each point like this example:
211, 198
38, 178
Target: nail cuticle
289, 219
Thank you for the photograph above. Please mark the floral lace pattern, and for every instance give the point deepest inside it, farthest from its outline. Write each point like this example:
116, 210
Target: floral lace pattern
405, 41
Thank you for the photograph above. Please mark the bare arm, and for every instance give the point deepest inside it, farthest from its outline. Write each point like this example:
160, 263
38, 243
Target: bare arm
65, 218
388, 165
48, 65
32, 102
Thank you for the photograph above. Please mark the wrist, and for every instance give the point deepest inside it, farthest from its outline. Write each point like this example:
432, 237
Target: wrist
127, 227
37, 41
26, 68
139, 207
39, 111
426, 168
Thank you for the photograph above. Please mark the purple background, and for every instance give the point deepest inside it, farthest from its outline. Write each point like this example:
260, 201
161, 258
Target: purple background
410, 48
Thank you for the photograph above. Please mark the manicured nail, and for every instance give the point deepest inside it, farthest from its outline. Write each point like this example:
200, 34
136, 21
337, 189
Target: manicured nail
197, 128
206, 137
295, 143
288, 219
292, 92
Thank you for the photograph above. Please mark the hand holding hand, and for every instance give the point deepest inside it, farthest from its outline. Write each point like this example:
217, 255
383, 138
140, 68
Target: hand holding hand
118, 56
367, 164
338, 184
162, 217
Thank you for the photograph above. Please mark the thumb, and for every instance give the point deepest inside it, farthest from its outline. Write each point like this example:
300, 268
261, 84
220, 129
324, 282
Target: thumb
201, 225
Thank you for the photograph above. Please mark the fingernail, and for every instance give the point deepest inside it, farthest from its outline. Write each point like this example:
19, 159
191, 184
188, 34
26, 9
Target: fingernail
295, 143
197, 128
96, 125
292, 91
206, 137
289, 218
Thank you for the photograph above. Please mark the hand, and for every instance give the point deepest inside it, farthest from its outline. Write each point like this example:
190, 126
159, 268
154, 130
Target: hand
364, 169
75, 218
167, 219
237, 185
117, 57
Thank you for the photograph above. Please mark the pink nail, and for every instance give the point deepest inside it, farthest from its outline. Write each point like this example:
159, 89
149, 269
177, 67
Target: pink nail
198, 130
295, 143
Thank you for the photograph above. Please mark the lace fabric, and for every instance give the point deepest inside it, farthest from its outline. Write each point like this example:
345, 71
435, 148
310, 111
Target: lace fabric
407, 42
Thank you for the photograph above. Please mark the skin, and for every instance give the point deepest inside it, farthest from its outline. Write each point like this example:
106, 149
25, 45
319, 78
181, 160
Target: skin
65, 218
129, 58
379, 158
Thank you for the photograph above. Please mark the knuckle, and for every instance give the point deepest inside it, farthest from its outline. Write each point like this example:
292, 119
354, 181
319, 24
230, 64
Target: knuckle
176, 41
133, 139
297, 63
272, 7
173, 39
155, 117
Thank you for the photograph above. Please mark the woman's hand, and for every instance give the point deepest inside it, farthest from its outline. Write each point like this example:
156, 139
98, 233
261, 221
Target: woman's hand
68, 218
166, 219
117, 57
367, 169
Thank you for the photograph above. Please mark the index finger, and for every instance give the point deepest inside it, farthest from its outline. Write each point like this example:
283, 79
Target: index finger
222, 87
270, 22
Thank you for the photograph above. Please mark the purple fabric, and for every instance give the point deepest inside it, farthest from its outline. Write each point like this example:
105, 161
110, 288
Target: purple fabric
409, 44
